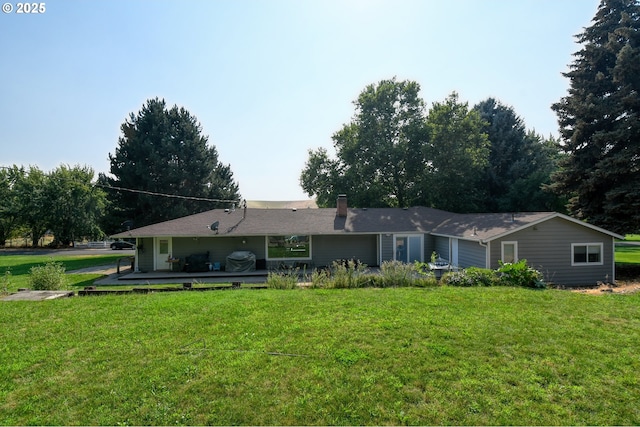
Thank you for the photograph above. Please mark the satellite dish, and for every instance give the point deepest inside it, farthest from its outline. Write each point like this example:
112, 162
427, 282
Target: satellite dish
214, 226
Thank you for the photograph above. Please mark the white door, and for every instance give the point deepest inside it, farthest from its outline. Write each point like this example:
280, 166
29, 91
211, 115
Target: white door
162, 253
409, 248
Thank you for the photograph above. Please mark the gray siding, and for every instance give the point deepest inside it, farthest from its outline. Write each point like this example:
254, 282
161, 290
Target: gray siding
441, 246
471, 254
429, 246
326, 249
547, 247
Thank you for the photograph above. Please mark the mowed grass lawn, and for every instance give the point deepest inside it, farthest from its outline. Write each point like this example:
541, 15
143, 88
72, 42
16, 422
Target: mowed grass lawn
463, 356
18, 267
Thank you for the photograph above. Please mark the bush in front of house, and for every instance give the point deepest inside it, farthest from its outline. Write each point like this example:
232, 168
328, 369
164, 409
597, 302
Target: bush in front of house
48, 277
396, 274
520, 274
320, 278
349, 274
472, 276
482, 276
509, 274
283, 279
354, 274
458, 278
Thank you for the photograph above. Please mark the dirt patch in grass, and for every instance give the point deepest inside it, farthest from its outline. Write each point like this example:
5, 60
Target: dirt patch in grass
621, 287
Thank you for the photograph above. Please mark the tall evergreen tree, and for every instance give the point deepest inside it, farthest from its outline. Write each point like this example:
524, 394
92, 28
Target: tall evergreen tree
520, 163
599, 121
162, 151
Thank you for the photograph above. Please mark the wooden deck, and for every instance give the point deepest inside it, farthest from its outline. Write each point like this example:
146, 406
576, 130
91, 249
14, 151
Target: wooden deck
258, 276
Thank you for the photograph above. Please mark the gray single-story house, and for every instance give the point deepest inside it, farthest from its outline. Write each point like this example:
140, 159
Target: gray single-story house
567, 251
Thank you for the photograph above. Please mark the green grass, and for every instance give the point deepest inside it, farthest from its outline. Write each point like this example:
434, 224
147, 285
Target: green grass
628, 254
19, 265
472, 356
632, 237
463, 356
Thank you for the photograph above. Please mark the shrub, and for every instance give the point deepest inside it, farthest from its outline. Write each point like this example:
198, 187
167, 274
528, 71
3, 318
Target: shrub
482, 276
396, 273
472, 276
457, 278
520, 274
5, 282
283, 279
348, 274
320, 278
48, 277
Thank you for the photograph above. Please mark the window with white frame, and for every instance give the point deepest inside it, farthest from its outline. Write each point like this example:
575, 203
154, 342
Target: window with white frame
509, 252
288, 247
586, 254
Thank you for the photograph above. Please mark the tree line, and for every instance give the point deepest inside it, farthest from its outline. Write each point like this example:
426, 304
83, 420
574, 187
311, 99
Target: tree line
162, 168
64, 202
393, 152
453, 157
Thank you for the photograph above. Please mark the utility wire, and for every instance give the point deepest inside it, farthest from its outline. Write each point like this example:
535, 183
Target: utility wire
151, 193
175, 196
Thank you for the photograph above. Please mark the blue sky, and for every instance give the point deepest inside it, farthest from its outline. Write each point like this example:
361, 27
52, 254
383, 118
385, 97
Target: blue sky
267, 79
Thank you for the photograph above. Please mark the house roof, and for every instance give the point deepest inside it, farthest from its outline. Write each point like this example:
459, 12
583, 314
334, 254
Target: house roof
490, 226
485, 227
324, 221
247, 222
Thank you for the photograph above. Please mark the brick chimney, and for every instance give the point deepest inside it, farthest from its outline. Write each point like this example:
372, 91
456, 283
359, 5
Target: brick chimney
342, 205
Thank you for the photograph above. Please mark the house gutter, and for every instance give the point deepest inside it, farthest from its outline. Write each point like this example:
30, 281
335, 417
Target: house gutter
613, 258
487, 256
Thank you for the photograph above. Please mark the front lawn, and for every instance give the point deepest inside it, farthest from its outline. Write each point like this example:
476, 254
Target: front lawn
463, 356
628, 254
18, 267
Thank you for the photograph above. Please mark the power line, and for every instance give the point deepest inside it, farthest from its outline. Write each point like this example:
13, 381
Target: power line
174, 196
151, 193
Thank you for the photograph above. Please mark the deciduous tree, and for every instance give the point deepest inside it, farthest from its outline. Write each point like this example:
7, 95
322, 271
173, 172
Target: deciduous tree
76, 206
9, 207
34, 203
456, 156
379, 153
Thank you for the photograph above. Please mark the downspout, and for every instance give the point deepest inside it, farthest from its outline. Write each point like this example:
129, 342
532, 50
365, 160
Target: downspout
136, 258
487, 252
613, 260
